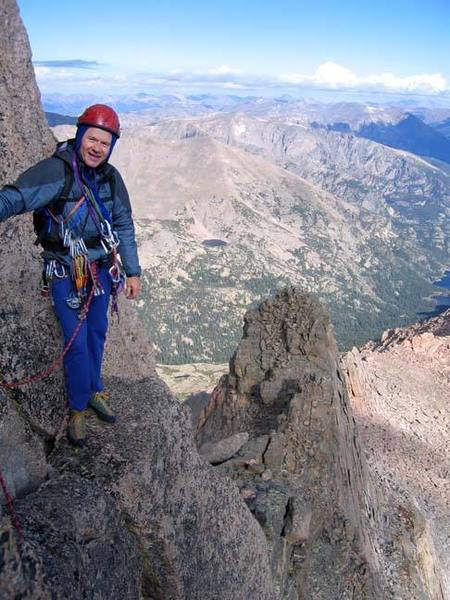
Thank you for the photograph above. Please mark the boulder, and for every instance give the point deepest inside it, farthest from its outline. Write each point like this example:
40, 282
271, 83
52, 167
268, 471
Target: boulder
77, 545
23, 463
219, 452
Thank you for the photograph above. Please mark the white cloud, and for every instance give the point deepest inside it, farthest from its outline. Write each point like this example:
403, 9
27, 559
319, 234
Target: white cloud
333, 76
328, 76
433, 83
224, 70
48, 73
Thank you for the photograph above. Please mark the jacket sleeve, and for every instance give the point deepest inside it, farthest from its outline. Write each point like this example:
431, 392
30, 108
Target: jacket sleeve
34, 189
124, 226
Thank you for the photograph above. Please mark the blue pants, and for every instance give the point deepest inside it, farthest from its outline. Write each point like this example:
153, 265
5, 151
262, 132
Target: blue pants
83, 361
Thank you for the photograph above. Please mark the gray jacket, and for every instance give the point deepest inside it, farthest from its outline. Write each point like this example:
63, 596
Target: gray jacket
42, 184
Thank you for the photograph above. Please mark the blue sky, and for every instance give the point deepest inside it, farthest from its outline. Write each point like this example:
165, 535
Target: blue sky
396, 47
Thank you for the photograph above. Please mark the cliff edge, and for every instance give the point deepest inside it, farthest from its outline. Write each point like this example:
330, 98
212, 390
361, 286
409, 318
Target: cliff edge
400, 394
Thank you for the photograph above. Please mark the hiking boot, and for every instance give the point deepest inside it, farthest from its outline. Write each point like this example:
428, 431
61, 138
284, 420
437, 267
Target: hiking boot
99, 405
76, 429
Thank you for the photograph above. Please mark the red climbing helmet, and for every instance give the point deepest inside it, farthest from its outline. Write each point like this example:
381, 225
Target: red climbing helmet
102, 116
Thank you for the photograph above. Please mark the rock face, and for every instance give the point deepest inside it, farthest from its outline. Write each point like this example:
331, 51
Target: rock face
22, 454
75, 537
24, 139
301, 472
400, 393
24, 135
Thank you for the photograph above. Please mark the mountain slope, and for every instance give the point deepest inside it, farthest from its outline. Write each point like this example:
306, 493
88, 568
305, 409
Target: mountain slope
270, 227
369, 245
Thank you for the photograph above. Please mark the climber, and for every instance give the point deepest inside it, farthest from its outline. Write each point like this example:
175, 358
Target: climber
83, 220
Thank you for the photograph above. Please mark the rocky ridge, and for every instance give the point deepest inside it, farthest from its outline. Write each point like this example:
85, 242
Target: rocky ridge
301, 470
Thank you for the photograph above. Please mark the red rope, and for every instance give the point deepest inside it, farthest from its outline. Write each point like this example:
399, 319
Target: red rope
10, 507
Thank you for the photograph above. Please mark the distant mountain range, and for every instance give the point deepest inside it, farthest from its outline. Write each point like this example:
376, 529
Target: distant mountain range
443, 127
408, 133
54, 119
163, 105
423, 131
411, 134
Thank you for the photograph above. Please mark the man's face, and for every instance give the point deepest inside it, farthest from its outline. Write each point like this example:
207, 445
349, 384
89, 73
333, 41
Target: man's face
95, 146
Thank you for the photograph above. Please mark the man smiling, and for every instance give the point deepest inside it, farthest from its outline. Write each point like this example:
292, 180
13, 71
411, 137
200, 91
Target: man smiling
95, 146
83, 221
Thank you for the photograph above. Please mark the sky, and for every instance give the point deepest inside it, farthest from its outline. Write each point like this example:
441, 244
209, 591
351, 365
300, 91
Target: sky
396, 47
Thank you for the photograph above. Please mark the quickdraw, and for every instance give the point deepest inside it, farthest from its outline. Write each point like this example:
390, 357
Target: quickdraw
109, 241
118, 284
52, 268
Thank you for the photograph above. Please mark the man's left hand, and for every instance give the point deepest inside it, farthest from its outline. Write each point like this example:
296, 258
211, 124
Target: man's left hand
132, 287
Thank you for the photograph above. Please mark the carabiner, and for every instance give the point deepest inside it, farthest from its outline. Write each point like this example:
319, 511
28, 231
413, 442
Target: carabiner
62, 274
115, 274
